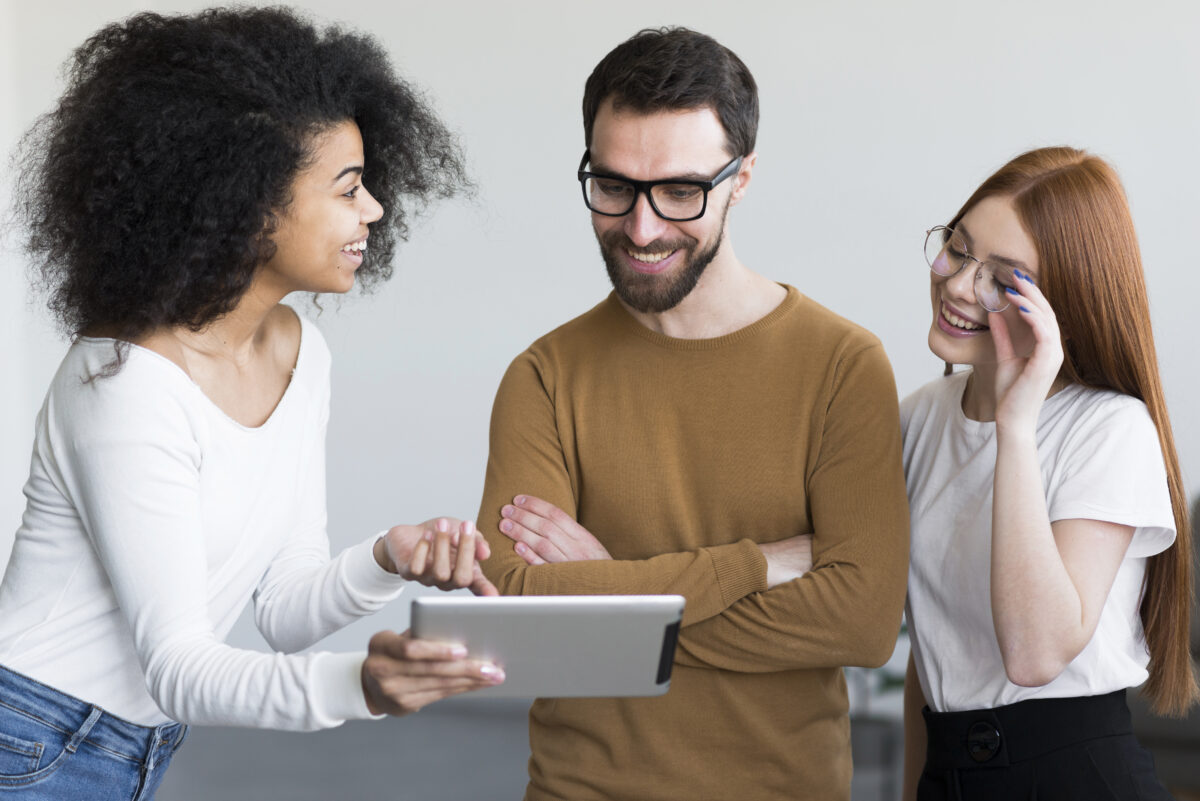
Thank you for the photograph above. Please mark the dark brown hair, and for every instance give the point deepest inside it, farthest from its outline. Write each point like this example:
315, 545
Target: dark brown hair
676, 69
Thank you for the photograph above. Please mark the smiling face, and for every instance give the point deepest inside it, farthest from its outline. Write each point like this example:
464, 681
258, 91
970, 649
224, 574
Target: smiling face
322, 234
653, 263
991, 232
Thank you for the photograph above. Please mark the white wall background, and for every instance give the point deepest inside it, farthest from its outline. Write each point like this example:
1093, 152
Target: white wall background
878, 119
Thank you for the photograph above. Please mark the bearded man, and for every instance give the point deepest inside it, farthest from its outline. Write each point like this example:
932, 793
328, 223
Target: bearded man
704, 431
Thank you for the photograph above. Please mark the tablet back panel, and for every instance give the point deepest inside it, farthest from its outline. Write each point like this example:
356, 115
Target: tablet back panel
561, 646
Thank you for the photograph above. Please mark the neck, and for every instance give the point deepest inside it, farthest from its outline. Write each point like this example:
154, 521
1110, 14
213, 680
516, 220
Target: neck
235, 335
728, 297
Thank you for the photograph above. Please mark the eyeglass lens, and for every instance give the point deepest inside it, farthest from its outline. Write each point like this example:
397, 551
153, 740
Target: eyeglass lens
616, 197
946, 254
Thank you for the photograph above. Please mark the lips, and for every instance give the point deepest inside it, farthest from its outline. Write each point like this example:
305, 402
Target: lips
957, 326
649, 261
354, 251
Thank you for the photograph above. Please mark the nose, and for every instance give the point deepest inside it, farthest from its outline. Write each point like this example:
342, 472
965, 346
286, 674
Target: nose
369, 208
641, 224
961, 285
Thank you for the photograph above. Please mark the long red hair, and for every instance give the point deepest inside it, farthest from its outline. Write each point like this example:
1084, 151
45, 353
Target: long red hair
1073, 206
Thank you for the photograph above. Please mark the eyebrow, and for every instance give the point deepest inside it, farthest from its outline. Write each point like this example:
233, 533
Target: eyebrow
1016, 264
600, 169
356, 168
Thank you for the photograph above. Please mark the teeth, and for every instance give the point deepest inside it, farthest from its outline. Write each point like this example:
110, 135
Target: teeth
959, 322
355, 247
648, 258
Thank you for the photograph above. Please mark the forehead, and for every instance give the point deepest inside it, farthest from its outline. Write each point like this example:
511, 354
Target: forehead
993, 229
334, 149
659, 144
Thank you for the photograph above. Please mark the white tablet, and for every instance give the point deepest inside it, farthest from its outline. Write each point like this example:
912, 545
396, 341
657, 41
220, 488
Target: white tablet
561, 645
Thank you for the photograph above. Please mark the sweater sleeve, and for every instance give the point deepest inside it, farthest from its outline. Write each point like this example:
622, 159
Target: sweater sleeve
304, 596
133, 476
846, 610
526, 456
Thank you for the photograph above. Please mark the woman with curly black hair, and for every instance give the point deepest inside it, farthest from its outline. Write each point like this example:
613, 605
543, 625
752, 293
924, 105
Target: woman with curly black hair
196, 171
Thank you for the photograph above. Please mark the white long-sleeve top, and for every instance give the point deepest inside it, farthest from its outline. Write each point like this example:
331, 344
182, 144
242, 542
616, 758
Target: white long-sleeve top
152, 518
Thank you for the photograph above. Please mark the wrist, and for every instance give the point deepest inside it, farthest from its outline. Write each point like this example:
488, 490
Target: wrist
380, 551
371, 707
1016, 431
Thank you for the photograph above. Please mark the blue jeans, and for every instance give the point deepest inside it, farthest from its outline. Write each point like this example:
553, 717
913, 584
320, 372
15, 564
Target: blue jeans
55, 747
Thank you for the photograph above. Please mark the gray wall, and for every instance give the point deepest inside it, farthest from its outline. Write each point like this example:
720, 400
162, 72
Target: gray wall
878, 119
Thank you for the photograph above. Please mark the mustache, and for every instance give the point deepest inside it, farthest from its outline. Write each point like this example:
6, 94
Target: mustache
618, 239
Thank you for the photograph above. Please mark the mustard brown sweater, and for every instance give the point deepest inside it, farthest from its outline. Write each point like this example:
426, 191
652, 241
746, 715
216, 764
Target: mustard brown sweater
679, 456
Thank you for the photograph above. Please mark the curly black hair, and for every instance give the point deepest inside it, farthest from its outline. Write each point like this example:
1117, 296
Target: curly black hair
151, 191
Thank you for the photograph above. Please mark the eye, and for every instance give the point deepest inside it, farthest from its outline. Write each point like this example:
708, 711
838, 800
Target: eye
612, 188
680, 191
351, 194
1002, 274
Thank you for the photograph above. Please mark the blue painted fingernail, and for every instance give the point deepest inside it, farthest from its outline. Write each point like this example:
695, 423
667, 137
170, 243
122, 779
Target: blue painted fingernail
1022, 308
1017, 273
1011, 291
1027, 277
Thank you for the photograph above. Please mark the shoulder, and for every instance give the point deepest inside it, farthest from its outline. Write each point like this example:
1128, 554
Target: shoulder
1080, 426
149, 398
933, 395
567, 343
1092, 407
603, 319
1084, 420
821, 325
825, 346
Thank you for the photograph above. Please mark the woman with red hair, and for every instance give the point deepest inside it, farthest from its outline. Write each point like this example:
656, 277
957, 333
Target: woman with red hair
1051, 552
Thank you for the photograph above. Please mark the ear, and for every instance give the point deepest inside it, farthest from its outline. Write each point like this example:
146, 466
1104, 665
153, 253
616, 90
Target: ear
741, 181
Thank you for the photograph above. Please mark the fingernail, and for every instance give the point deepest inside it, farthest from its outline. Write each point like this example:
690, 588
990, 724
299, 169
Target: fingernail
469, 526
1027, 278
492, 673
458, 651
506, 526
1011, 291
520, 548
519, 500
442, 524
1022, 308
506, 511
427, 536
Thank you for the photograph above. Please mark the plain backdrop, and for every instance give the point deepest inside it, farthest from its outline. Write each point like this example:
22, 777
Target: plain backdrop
878, 119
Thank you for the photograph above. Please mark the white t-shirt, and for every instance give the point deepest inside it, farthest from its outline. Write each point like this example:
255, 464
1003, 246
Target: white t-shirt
1100, 460
152, 518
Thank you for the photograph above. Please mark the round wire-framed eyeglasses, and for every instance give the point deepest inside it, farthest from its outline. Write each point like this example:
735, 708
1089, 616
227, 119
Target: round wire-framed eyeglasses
946, 254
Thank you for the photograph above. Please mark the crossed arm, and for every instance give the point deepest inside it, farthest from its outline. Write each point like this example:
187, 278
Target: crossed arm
751, 607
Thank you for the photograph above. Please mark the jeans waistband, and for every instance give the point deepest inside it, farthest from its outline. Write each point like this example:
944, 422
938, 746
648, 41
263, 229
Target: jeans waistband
988, 738
73, 716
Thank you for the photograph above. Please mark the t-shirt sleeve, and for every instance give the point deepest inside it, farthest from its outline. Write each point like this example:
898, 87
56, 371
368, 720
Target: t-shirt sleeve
1112, 470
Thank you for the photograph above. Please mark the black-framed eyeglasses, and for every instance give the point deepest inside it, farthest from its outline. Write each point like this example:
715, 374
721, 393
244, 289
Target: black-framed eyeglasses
946, 254
673, 199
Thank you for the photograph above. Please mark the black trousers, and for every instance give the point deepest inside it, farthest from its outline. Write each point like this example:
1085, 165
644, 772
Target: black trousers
1056, 749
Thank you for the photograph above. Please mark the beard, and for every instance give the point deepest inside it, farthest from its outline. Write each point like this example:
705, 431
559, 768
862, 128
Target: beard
657, 293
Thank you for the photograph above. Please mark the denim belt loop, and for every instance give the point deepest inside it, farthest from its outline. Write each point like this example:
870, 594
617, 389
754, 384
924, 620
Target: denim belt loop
85, 729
